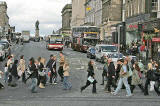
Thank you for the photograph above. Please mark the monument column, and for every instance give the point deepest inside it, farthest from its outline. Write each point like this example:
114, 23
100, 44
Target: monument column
37, 29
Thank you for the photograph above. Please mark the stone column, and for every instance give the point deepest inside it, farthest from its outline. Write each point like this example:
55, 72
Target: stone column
37, 33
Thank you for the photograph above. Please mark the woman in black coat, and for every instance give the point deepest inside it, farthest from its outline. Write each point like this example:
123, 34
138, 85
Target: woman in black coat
90, 74
14, 73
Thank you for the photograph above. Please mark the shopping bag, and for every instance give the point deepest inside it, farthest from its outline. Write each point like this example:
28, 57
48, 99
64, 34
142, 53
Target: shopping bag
91, 79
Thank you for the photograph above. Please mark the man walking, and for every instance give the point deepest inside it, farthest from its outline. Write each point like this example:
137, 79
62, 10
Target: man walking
61, 61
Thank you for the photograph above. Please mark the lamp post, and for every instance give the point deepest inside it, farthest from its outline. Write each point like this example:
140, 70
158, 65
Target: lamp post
119, 34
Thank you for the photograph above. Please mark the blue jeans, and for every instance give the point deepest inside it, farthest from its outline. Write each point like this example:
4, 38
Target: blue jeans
6, 76
66, 83
120, 83
34, 85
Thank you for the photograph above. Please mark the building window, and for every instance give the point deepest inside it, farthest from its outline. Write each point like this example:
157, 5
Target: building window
154, 5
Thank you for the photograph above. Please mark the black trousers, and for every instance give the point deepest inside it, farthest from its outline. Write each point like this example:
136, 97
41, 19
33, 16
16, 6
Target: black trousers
146, 86
140, 86
53, 76
24, 77
60, 72
89, 83
111, 82
1, 85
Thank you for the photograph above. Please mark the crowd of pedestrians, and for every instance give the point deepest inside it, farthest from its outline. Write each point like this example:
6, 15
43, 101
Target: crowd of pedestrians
37, 71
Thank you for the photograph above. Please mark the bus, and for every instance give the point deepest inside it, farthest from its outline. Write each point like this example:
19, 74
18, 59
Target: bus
83, 37
55, 42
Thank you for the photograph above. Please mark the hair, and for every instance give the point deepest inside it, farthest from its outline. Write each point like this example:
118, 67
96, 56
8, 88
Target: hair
22, 56
90, 63
150, 66
31, 61
51, 55
137, 67
61, 52
5, 64
39, 59
16, 61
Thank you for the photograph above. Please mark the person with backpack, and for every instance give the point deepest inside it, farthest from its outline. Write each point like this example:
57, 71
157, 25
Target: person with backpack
123, 80
105, 69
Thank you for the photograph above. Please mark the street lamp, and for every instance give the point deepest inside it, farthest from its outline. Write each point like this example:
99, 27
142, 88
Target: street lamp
119, 34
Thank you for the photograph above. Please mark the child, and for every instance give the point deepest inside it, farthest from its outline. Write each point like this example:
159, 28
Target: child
6, 73
1, 85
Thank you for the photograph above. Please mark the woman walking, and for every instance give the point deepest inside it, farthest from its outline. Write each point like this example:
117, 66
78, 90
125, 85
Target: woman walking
66, 84
1, 85
22, 68
136, 78
91, 77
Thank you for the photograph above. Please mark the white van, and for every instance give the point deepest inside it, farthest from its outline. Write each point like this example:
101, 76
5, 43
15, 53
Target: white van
104, 50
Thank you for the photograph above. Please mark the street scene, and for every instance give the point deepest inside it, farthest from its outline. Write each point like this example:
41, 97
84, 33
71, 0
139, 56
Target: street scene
100, 53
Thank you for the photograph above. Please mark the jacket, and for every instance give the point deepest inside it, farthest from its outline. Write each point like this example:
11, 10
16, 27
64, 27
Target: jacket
122, 70
14, 70
111, 70
136, 80
62, 60
90, 71
34, 71
49, 64
66, 71
21, 65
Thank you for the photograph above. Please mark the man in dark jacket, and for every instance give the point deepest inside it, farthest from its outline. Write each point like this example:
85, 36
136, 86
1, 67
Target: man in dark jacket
110, 76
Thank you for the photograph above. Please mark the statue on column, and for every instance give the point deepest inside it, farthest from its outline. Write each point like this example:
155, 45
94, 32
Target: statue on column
37, 24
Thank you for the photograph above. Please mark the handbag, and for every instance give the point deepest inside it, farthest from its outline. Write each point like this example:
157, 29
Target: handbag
42, 73
91, 79
19, 73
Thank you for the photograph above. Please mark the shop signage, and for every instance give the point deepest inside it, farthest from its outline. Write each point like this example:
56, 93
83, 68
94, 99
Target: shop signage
155, 39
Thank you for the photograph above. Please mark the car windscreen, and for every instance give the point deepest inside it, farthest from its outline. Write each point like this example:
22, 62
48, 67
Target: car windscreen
55, 42
116, 55
109, 48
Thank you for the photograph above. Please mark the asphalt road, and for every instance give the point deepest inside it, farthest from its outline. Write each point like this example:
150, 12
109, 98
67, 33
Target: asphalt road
53, 95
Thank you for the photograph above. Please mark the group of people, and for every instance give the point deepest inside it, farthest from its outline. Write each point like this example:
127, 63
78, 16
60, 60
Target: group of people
127, 74
39, 72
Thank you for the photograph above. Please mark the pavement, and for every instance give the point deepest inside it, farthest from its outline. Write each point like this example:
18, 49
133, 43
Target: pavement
53, 95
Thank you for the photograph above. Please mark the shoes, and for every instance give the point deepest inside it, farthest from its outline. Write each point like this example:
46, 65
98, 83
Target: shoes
107, 91
94, 92
55, 83
102, 84
129, 95
113, 93
81, 90
41, 86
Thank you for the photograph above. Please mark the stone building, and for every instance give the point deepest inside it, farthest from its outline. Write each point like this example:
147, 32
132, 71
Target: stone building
78, 12
4, 19
90, 12
111, 15
66, 19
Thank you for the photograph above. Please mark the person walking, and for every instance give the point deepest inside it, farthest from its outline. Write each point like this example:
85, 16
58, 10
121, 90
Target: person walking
66, 84
1, 85
123, 80
54, 73
110, 76
105, 70
34, 74
6, 73
41, 76
61, 61
118, 68
22, 68
136, 78
91, 77
9, 65
14, 74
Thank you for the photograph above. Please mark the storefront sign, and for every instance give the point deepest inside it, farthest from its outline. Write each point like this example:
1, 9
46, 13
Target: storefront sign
155, 39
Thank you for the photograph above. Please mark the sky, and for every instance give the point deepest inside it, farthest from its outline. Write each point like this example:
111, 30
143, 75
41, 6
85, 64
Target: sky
24, 13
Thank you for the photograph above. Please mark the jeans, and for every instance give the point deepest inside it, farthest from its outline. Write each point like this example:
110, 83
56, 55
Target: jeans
6, 74
66, 83
125, 82
34, 85
53, 77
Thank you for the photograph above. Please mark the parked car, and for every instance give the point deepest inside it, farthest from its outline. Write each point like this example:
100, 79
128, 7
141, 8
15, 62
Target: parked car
91, 52
7, 48
104, 50
116, 56
2, 52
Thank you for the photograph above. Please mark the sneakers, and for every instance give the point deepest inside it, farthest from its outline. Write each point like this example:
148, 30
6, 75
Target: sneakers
55, 83
129, 95
113, 93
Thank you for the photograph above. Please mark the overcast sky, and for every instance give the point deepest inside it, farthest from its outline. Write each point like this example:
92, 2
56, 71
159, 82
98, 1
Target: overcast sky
24, 13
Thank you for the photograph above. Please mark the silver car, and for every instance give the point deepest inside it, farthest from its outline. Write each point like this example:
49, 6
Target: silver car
2, 52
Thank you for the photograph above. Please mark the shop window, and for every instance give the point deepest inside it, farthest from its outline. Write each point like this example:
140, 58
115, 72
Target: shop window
154, 5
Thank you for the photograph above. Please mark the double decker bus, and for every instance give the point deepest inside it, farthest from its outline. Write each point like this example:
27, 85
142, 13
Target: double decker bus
83, 37
55, 42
